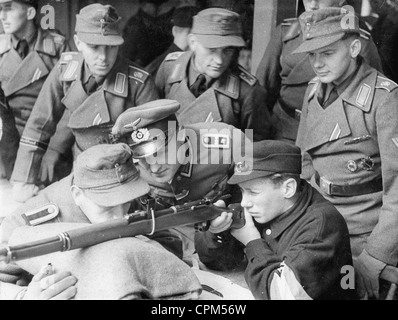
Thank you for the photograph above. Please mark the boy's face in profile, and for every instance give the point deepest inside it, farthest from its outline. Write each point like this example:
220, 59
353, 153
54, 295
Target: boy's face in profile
262, 199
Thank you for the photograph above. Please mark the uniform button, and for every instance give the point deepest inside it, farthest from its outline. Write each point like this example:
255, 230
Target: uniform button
50, 210
121, 177
268, 232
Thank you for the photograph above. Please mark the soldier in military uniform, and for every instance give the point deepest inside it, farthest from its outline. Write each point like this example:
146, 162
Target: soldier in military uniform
27, 55
285, 76
104, 183
182, 164
89, 89
349, 129
182, 25
208, 82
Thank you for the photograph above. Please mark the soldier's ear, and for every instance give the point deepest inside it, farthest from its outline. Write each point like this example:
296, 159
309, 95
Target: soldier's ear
78, 43
77, 194
289, 188
192, 42
355, 48
31, 13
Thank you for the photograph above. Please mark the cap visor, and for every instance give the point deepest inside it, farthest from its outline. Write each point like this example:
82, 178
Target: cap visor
318, 43
215, 41
123, 193
100, 40
239, 178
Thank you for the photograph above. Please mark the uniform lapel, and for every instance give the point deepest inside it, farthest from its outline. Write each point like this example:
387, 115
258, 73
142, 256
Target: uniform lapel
75, 96
9, 63
325, 125
202, 109
29, 70
92, 112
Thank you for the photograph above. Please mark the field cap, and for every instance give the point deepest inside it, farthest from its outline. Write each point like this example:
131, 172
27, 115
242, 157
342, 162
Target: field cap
147, 126
269, 157
108, 176
217, 28
323, 27
98, 24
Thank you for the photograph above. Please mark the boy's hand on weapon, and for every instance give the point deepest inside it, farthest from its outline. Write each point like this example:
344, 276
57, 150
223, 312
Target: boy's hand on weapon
248, 232
49, 284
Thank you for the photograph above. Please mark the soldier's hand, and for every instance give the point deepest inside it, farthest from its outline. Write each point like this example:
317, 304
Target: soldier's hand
10, 273
367, 272
24, 191
221, 223
51, 285
248, 232
48, 164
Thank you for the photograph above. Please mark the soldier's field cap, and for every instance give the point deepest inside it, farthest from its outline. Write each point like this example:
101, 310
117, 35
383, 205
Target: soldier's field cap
108, 176
269, 157
218, 27
147, 126
323, 27
98, 24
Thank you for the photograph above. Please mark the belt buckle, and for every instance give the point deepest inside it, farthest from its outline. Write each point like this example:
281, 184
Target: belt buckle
325, 185
297, 114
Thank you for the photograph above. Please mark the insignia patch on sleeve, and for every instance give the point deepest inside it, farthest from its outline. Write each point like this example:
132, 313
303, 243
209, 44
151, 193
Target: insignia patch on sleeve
41, 215
216, 141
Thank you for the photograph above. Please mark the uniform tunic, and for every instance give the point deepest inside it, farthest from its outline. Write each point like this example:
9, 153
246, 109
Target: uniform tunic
311, 239
21, 82
88, 118
285, 76
355, 141
235, 98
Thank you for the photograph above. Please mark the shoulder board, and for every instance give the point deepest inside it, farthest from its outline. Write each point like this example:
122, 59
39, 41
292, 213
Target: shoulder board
364, 34
67, 57
5, 43
138, 74
58, 39
174, 56
41, 215
385, 83
246, 76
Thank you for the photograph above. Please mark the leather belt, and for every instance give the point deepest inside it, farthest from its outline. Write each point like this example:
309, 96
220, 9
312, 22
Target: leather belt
292, 112
348, 190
